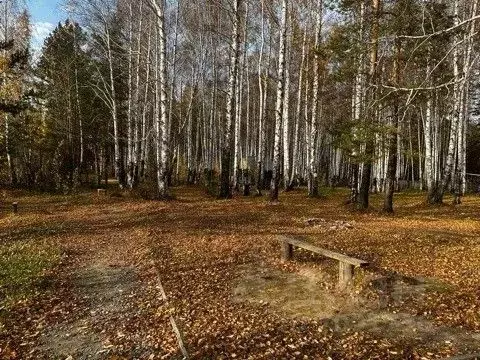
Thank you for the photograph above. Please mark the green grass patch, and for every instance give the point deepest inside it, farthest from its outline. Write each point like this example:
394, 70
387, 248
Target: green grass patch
23, 267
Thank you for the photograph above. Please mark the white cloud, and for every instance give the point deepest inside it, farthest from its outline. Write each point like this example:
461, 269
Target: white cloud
40, 31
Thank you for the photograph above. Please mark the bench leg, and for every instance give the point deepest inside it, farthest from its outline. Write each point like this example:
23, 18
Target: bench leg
345, 274
287, 250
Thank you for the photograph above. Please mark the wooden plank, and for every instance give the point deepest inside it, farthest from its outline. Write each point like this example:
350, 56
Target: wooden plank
179, 335
321, 251
464, 357
176, 329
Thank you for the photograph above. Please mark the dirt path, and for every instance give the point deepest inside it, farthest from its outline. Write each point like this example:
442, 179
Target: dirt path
300, 295
106, 289
114, 283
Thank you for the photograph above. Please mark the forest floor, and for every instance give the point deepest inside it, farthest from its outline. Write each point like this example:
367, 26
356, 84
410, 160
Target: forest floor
80, 278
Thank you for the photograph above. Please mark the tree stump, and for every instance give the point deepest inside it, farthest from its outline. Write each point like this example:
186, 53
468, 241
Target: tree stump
457, 199
101, 192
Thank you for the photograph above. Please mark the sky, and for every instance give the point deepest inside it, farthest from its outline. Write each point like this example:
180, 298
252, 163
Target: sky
45, 16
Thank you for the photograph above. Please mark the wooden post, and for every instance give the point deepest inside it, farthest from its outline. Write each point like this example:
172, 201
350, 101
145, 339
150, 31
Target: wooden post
287, 250
345, 274
15, 207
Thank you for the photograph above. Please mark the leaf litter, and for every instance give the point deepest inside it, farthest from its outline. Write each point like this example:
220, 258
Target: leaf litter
103, 300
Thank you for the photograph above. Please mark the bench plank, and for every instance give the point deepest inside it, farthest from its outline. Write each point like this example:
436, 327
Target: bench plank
331, 254
464, 357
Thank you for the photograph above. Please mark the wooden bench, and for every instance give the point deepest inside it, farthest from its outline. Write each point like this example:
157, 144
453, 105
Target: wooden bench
346, 263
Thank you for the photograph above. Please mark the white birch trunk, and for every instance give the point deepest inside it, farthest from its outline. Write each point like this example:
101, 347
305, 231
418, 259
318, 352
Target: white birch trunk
468, 62
298, 115
312, 146
137, 143
130, 100
279, 106
173, 86
453, 137
286, 112
161, 121
239, 105
144, 125
119, 168
262, 106
225, 180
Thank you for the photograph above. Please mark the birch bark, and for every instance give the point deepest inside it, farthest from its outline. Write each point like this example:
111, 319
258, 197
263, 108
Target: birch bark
161, 121
314, 131
279, 108
298, 117
225, 180
363, 199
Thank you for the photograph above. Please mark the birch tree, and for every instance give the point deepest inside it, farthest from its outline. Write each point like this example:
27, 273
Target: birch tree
298, 116
279, 108
225, 176
262, 87
99, 17
161, 85
314, 125
363, 199
392, 141
378, 99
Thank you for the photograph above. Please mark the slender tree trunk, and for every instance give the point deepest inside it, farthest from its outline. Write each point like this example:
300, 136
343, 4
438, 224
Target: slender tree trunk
161, 121
8, 151
421, 156
363, 198
238, 112
130, 170
468, 62
298, 117
286, 113
189, 134
279, 108
118, 161
261, 108
145, 137
455, 117
393, 143
313, 165
170, 138
137, 143
308, 125
357, 109
212, 120
225, 181
287, 161
429, 153
78, 104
